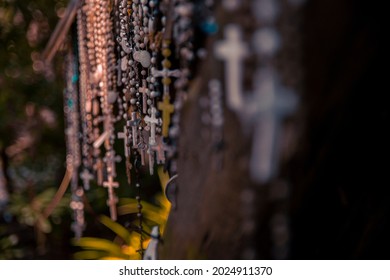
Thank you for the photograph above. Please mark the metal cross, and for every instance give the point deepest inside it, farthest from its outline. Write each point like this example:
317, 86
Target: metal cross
86, 176
144, 90
134, 127
233, 51
112, 199
167, 109
124, 135
152, 121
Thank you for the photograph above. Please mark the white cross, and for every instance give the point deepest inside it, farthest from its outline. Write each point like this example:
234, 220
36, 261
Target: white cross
233, 51
124, 135
271, 104
166, 73
86, 176
144, 90
152, 121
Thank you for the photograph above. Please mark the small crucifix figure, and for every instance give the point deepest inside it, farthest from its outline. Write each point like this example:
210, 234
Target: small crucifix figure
167, 109
166, 75
152, 121
233, 51
86, 176
134, 127
144, 90
124, 135
112, 199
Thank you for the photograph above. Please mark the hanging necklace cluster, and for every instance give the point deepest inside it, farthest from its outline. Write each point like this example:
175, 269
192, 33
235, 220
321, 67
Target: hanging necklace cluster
127, 80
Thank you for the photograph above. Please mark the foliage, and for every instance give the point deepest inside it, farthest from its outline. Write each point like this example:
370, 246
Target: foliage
126, 244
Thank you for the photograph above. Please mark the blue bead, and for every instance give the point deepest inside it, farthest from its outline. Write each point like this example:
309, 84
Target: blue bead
209, 27
75, 78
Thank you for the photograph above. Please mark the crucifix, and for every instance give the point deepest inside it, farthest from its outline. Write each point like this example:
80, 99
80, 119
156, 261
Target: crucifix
86, 176
233, 51
152, 121
134, 127
144, 90
125, 136
166, 75
112, 199
167, 109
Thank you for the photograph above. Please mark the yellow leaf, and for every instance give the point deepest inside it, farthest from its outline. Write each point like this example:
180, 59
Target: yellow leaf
120, 230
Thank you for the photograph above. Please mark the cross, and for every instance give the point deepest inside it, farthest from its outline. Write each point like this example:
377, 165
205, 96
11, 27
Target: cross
112, 200
160, 150
124, 135
165, 74
86, 176
134, 127
144, 90
233, 51
167, 109
271, 104
152, 121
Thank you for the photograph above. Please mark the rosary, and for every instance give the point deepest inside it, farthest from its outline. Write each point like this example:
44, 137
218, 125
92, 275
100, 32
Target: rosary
130, 68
